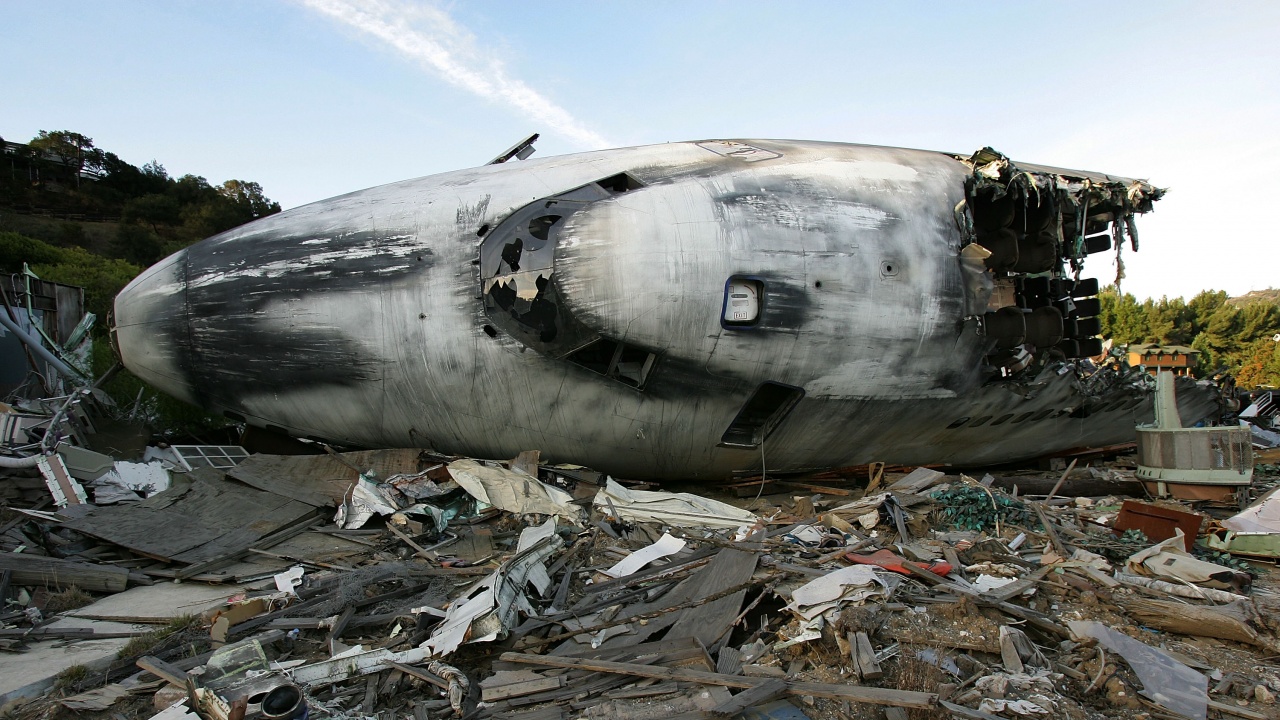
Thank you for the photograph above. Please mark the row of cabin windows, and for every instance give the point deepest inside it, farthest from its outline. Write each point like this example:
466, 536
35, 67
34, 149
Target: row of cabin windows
1127, 404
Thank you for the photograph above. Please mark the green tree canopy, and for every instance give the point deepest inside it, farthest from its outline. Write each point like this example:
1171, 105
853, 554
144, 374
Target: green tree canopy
72, 149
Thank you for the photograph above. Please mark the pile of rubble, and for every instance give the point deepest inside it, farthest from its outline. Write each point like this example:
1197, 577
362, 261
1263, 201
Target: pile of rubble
400, 583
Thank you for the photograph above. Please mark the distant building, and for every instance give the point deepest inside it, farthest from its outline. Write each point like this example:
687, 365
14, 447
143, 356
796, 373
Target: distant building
1178, 359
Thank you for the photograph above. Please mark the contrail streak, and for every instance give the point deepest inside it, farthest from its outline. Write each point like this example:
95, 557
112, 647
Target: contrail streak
428, 35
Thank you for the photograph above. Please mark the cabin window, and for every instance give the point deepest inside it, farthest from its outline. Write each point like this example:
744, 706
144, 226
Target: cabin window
743, 302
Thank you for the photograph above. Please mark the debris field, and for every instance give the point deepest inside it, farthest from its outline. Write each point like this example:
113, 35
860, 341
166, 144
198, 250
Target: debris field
404, 584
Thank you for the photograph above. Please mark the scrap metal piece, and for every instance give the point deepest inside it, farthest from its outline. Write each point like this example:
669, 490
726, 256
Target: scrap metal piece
488, 609
512, 490
1165, 680
64, 488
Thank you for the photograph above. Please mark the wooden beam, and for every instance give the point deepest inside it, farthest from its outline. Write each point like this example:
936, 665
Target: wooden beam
814, 487
518, 689
865, 656
162, 669
767, 691
52, 572
852, 693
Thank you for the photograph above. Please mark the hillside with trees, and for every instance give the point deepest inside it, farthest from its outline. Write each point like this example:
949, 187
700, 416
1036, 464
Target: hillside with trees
78, 214
81, 215
1237, 335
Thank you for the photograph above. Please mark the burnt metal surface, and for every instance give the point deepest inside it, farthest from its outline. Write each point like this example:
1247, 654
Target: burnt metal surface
574, 304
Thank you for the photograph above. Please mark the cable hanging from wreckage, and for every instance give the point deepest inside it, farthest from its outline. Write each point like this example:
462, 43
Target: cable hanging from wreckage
1021, 224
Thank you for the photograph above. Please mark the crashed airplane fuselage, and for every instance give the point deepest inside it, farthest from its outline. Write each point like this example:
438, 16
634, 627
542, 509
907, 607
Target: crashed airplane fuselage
682, 310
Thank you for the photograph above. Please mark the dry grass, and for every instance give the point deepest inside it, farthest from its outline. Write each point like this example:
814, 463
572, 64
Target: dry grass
147, 642
69, 599
907, 672
70, 677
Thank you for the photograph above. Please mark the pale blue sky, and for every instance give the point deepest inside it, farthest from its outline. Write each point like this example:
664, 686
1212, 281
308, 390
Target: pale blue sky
315, 98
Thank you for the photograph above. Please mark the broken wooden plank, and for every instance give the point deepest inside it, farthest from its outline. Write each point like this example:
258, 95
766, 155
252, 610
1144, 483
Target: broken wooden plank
1236, 710
527, 462
162, 669
518, 689
419, 673
25, 569
307, 522
852, 693
751, 697
631, 693
915, 481
729, 661
924, 573
339, 627
814, 487
370, 695
708, 621
47, 633
1200, 621
1017, 587
865, 656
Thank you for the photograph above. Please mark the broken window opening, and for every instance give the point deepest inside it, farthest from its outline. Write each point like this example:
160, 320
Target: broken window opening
539, 227
767, 407
511, 254
625, 363
517, 273
1001, 420
958, 423
620, 183
980, 421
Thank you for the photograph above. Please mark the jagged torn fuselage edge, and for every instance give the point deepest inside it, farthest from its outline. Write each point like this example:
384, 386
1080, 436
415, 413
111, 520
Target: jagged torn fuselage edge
580, 305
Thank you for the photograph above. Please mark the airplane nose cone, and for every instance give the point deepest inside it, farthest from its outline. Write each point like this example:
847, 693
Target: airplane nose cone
151, 326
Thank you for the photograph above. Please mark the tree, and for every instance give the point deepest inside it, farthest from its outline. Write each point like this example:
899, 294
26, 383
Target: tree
1122, 318
72, 149
1202, 306
153, 209
1260, 365
191, 189
1258, 320
1221, 334
130, 181
136, 244
248, 197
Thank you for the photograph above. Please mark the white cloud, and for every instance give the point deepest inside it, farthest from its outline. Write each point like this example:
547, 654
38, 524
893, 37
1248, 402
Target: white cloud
428, 35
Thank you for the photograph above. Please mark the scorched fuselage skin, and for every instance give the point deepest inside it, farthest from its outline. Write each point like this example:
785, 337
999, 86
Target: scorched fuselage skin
575, 305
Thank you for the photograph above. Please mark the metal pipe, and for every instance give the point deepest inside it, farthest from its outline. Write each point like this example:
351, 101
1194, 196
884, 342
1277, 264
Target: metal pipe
18, 463
64, 369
